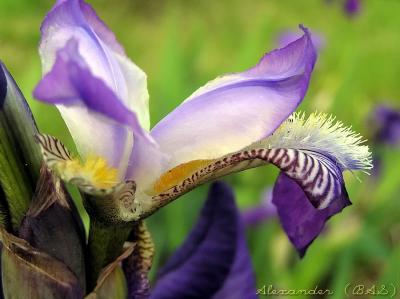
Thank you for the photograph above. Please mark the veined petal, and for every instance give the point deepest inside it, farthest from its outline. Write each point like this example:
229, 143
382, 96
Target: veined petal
84, 101
238, 109
100, 124
300, 220
313, 152
103, 55
214, 261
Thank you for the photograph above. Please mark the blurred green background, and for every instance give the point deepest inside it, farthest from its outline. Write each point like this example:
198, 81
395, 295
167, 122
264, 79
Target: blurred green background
183, 44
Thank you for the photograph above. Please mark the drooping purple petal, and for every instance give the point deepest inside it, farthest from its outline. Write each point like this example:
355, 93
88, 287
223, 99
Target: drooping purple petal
236, 110
300, 220
98, 121
387, 121
103, 55
261, 212
83, 99
352, 7
97, 89
214, 257
288, 36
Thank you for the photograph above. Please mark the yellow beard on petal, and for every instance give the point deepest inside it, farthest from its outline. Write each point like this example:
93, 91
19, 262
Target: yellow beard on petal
94, 171
175, 175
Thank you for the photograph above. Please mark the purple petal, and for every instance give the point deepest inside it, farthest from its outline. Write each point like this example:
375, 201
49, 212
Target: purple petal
387, 121
88, 76
103, 55
260, 213
83, 100
214, 257
352, 7
300, 220
97, 119
236, 110
287, 37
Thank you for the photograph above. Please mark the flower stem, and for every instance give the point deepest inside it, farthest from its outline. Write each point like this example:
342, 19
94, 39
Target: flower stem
104, 246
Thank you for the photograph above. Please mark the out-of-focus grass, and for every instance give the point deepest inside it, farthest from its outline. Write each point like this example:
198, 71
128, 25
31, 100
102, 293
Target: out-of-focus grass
183, 44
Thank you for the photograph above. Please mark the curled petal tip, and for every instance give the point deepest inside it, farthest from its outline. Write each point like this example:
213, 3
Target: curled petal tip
260, 99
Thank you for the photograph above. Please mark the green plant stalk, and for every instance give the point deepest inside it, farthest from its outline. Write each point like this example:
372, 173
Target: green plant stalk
105, 244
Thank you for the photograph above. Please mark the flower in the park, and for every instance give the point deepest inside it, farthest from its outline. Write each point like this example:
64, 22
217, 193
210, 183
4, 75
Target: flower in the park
126, 171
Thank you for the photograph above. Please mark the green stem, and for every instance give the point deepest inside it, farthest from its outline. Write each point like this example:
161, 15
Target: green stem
104, 246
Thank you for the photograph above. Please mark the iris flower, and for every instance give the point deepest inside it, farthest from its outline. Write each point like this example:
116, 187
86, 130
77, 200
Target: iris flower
235, 122
386, 133
387, 123
352, 7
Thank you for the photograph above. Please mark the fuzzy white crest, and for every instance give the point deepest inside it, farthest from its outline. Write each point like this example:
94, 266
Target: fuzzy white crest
322, 134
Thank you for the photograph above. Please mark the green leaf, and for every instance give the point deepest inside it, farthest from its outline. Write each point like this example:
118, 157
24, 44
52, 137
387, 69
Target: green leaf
19, 154
23, 129
30, 273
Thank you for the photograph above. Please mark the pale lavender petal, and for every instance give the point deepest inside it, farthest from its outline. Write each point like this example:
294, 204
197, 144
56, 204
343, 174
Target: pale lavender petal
98, 121
236, 110
214, 257
100, 50
260, 213
300, 220
97, 89
288, 36
83, 99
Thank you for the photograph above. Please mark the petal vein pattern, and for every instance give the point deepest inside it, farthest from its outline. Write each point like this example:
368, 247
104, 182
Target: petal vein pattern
101, 94
315, 155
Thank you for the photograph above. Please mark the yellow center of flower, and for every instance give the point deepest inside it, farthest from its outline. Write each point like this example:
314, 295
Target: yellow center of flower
94, 171
177, 174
